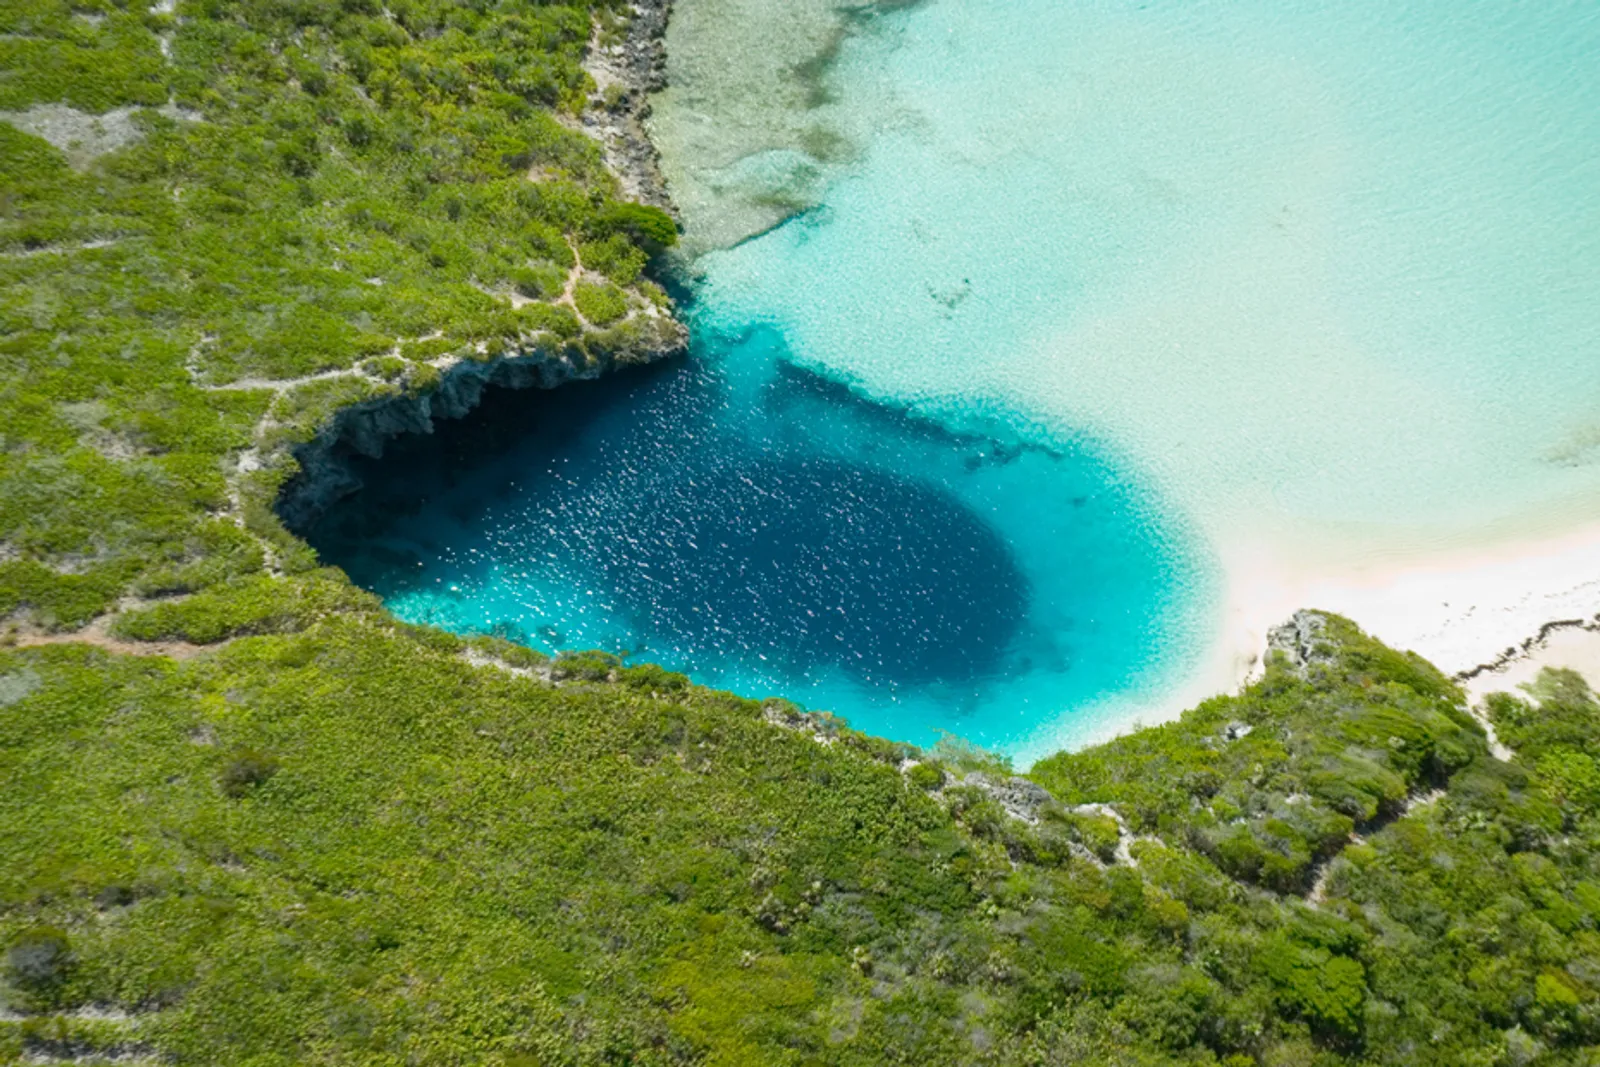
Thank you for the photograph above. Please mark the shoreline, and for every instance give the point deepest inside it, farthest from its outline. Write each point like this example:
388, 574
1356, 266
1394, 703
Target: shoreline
1533, 648
1489, 616
627, 75
1504, 567
1470, 610
1573, 647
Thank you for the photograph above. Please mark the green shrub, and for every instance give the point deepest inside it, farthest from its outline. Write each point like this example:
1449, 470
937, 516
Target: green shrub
557, 320
584, 666
39, 960
246, 769
650, 227
1329, 991
599, 302
651, 677
247, 606
539, 282
392, 368
967, 757
423, 377
878, 748
616, 257
1100, 834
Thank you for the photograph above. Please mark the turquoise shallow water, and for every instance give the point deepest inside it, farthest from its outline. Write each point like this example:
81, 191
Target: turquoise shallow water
1087, 297
1307, 265
764, 530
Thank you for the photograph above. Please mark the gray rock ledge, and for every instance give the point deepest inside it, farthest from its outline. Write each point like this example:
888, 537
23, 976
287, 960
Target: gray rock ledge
362, 428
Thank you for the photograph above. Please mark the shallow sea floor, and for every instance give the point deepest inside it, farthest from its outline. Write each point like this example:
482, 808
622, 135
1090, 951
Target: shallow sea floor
1308, 261
1324, 275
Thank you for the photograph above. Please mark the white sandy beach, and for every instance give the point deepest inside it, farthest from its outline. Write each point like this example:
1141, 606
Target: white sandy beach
1467, 610
1491, 616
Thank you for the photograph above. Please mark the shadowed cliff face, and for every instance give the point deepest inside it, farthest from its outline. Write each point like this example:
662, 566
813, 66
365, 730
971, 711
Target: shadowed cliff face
327, 468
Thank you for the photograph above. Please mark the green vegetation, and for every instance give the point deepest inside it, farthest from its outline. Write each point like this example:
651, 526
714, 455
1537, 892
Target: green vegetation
1270, 804
311, 187
366, 842
600, 303
326, 836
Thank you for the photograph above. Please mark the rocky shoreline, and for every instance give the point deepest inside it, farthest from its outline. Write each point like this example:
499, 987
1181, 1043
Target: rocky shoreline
362, 428
626, 74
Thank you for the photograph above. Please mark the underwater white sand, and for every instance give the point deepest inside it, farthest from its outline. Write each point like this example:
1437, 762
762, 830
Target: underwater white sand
1326, 276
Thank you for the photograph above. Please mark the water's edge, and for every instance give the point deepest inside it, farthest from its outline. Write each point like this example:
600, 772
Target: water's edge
326, 476
329, 464
626, 76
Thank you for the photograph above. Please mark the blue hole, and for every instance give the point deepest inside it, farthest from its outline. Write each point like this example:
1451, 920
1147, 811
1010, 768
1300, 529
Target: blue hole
766, 530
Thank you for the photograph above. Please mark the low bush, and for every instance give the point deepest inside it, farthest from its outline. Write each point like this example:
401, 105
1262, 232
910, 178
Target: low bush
39, 960
584, 666
246, 769
600, 303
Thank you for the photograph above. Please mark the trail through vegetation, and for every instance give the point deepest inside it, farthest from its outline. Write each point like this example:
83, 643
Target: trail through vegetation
250, 818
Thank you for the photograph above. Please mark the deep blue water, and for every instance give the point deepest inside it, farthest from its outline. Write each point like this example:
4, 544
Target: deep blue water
767, 531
